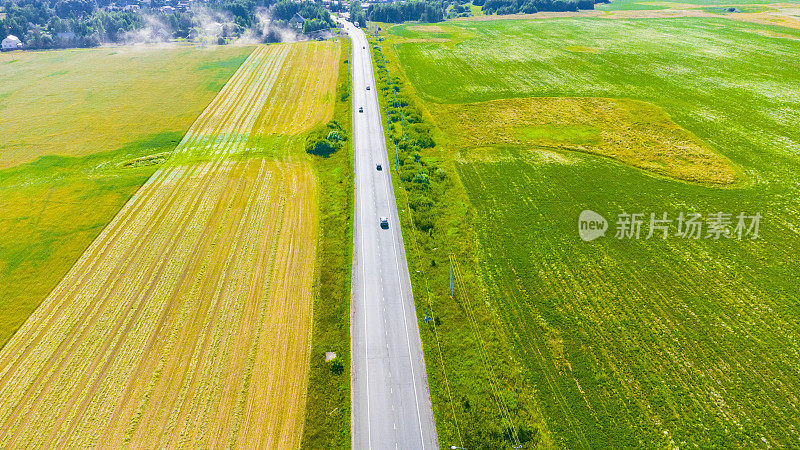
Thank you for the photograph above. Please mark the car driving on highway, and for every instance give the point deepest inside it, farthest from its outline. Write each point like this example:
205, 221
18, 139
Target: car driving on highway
385, 223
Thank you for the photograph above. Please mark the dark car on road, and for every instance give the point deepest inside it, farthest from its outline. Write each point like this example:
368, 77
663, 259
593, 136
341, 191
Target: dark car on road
360, 109
385, 223
379, 167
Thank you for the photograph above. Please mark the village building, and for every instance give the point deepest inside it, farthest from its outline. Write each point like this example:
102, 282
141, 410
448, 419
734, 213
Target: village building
297, 21
11, 43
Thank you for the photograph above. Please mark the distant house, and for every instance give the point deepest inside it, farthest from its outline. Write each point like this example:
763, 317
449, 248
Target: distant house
131, 8
65, 38
167, 9
11, 43
297, 21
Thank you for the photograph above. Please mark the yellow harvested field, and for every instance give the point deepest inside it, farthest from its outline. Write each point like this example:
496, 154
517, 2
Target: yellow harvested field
187, 322
311, 87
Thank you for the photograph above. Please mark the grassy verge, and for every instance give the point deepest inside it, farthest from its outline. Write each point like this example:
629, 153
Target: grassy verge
328, 407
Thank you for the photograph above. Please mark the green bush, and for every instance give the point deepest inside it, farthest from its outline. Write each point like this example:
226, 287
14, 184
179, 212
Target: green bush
336, 365
326, 141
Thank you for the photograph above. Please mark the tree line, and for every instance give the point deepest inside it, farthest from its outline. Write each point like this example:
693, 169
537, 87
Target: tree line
502, 7
416, 10
438, 10
42, 24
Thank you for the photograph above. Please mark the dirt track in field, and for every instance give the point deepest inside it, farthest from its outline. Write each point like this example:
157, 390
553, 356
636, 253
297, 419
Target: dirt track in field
187, 322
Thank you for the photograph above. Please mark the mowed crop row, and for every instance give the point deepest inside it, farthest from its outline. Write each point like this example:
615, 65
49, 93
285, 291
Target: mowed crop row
187, 322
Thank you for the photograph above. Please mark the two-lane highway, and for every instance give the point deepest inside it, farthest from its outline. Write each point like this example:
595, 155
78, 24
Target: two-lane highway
391, 403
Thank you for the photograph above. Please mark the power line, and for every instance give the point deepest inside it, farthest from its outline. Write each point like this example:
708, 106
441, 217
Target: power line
446, 382
500, 402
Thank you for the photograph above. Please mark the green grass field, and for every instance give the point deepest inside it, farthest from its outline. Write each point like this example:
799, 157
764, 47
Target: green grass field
66, 139
611, 343
71, 102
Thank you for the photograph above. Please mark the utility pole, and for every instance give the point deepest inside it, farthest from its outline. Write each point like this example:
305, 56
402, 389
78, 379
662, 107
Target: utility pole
451, 276
427, 303
408, 208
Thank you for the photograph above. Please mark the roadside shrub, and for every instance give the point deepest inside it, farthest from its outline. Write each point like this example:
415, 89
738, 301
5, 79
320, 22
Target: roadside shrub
422, 179
322, 147
335, 136
336, 365
420, 202
424, 221
412, 135
326, 141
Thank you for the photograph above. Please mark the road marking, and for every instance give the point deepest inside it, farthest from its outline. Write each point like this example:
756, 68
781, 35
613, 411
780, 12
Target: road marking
364, 284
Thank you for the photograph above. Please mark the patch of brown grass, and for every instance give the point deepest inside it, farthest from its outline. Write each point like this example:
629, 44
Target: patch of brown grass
427, 28
580, 49
633, 132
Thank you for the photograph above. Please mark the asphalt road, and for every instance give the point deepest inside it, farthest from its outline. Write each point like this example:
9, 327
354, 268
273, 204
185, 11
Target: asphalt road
391, 403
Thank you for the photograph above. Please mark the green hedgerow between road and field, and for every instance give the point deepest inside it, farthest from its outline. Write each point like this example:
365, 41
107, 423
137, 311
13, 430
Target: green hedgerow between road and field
613, 343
